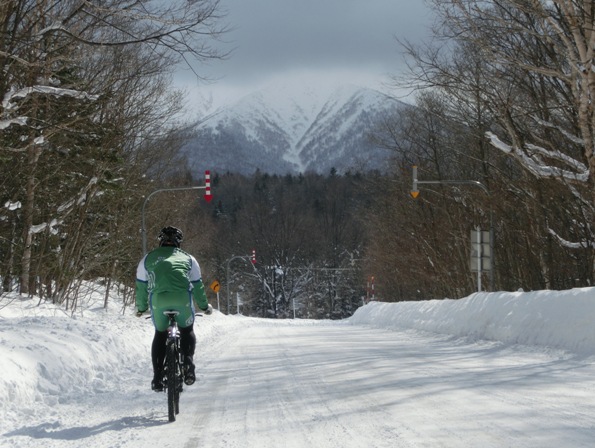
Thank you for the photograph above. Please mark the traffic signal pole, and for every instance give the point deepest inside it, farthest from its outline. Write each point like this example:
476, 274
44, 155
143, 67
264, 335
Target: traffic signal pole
207, 196
415, 193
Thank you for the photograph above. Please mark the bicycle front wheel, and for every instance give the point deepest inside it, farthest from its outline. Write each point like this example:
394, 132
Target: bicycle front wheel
172, 393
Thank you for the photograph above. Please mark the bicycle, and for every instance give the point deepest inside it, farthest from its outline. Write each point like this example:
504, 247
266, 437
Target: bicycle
173, 362
173, 367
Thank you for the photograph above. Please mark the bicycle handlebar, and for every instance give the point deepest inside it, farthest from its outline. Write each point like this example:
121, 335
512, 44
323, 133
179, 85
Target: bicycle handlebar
196, 314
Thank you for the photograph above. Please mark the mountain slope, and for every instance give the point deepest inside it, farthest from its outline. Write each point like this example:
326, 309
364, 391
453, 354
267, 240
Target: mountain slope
278, 132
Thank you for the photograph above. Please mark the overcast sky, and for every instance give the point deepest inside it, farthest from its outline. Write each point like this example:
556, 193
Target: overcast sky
348, 40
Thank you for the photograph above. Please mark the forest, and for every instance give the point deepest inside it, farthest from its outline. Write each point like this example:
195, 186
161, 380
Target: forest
91, 126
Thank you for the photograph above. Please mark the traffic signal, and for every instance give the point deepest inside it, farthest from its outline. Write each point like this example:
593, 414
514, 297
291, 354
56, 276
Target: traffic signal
208, 196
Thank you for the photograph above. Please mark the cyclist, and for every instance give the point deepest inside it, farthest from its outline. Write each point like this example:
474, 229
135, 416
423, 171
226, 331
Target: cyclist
168, 278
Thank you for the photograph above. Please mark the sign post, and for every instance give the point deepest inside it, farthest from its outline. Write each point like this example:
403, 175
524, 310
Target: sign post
370, 295
481, 253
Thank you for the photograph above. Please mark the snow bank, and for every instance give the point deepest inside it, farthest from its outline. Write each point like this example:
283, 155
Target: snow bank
52, 357
558, 319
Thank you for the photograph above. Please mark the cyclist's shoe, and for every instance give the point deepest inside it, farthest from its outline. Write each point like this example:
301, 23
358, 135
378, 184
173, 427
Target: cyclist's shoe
157, 383
189, 376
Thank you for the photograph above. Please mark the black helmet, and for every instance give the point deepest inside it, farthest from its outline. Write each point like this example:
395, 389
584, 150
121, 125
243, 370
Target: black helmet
170, 236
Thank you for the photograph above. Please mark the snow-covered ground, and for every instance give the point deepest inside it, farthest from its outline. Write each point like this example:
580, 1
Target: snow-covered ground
491, 370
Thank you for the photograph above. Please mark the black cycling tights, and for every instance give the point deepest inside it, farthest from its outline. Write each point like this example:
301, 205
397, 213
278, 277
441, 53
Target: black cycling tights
187, 344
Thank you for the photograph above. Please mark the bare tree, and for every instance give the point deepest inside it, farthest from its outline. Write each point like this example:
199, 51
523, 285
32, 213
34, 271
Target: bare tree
85, 87
512, 75
539, 56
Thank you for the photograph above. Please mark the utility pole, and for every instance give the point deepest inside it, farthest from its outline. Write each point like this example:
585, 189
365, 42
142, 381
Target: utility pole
251, 257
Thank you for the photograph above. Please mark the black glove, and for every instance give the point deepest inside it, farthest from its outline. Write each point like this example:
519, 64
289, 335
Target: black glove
209, 310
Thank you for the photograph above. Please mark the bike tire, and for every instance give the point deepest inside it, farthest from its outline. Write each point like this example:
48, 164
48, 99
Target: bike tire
172, 389
178, 387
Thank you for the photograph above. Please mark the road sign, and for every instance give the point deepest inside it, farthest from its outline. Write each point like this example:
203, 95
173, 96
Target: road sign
481, 253
215, 286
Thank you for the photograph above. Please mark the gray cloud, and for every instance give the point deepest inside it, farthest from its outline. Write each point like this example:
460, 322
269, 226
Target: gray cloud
277, 37
284, 34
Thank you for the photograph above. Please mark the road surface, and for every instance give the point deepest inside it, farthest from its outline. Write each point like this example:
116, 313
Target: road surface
271, 384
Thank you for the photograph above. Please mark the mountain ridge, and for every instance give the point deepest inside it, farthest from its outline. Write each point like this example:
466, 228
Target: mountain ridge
275, 131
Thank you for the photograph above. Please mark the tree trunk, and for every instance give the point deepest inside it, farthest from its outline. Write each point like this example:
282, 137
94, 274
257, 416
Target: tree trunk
28, 209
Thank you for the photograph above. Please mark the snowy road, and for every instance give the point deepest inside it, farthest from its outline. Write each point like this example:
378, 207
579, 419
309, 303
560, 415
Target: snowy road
343, 386
323, 384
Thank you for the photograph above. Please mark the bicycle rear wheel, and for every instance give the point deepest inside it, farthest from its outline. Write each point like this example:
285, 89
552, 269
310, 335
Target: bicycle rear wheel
173, 396
178, 387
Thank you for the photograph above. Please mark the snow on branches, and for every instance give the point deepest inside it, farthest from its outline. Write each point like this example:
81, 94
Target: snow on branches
534, 157
8, 101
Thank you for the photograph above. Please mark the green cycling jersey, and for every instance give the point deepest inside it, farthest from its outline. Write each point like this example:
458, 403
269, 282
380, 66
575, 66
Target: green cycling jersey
169, 277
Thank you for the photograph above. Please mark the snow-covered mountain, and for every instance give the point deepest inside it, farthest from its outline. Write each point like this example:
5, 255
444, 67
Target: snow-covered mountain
282, 130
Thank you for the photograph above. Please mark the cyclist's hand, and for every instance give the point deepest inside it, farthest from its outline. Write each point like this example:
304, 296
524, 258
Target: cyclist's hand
209, 310
139, 313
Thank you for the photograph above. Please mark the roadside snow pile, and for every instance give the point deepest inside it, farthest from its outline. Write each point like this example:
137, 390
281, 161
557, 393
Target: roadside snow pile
557, 319
52, 357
